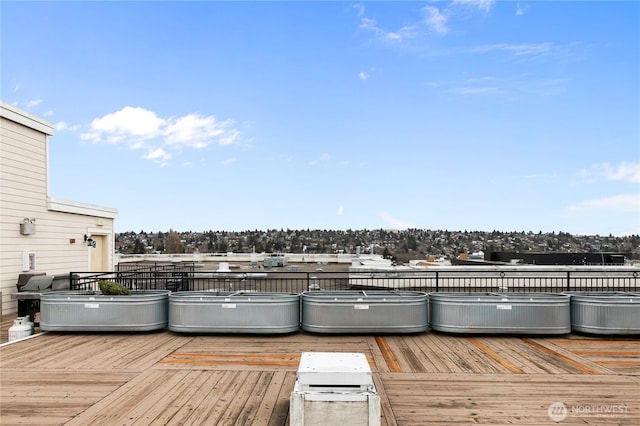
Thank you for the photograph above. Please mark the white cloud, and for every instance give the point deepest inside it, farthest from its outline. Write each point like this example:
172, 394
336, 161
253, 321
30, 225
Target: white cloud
511, 87
477, 91
340, 210
48, 113
129, 121
363, 76
192, 131
158, 155
61, 125
138, 128
520, 9
395, 223
359, 8
64, 126
228, 161
626, 172
401, 34
32, 103
435, 20
615, 203
517, 49
230, 136
323, 157
482, 5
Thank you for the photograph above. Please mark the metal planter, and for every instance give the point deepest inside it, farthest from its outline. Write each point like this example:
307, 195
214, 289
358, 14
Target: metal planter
239, 312
605, 312
143, 310
375, 311
511, 313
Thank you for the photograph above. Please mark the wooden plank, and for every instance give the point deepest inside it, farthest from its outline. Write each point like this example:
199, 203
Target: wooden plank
80, 350
249, 379
111, 408
562, 357
150, 406
386, 411
525, 357
470, 358
281, 409
254, 401
180, 396
414, 355
262, 361
493, 355
231, 411
389, 359
379, 364
427, 345
37, 396
268, 402
197, 394
501, 399
446, 359
282, 360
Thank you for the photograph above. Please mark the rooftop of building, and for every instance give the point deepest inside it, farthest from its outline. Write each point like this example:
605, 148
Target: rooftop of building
426, 378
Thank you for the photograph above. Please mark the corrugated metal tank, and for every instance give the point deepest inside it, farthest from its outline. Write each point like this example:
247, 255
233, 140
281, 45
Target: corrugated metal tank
375, 311
605, 312
511, 313
239, 312
143, 310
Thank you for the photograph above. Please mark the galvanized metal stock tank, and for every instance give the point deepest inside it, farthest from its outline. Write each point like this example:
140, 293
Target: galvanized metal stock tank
372, 311
239, 312
605, 313
143, 310
510, 313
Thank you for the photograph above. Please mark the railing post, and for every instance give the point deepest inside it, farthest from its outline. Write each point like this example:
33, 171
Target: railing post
437, 282
568, 280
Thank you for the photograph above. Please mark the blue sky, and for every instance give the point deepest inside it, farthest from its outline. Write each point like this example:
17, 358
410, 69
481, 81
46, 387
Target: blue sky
463, 115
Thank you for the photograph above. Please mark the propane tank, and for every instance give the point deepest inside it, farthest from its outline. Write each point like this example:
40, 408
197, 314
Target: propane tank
27, 321
19, 330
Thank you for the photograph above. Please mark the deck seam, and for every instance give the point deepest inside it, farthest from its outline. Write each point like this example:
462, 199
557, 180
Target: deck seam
556, 353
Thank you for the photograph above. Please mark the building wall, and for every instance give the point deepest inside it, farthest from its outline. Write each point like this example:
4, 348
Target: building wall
24, 194
556, 258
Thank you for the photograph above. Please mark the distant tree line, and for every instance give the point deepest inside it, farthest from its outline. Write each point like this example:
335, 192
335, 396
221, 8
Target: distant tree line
401, 245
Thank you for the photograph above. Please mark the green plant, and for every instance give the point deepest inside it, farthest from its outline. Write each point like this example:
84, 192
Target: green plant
113, 288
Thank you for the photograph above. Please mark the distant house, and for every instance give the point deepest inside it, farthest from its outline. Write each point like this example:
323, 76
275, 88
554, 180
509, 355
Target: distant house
38, 233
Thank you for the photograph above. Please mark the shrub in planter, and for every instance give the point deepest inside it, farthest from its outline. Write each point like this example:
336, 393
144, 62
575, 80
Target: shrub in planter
113, 288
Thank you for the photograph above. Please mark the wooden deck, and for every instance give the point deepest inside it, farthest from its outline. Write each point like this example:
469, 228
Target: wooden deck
168, 378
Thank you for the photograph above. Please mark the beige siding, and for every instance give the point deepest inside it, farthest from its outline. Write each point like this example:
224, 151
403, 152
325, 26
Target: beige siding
24, 194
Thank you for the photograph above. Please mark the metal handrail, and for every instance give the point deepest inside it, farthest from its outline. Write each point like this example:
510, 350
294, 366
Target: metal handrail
540, 280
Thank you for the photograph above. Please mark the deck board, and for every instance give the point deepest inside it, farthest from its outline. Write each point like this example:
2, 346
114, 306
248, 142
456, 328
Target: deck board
621, 355
505, 398
165, 378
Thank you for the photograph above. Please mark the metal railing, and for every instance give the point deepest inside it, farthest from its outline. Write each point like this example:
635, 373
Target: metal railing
186, 278
172, 277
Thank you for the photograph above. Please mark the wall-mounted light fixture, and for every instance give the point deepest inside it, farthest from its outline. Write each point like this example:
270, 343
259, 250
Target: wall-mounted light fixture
28, 226
88, 240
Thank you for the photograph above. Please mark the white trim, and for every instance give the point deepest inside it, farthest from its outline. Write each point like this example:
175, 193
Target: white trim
75, 207
98, 231
20, 116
